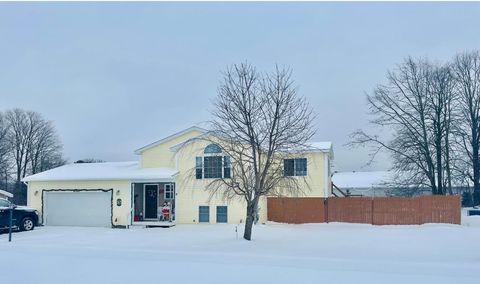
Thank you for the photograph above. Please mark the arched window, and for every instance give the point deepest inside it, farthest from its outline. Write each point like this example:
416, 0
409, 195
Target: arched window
213, 164
212, 149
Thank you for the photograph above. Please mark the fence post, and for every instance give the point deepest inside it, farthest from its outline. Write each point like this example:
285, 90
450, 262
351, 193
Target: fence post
325, 208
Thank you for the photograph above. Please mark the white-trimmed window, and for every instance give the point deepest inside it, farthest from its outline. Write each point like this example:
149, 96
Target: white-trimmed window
213, 164
169, 191
295, 167
204, 214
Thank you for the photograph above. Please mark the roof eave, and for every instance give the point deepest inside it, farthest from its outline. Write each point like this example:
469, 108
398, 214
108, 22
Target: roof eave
105, 179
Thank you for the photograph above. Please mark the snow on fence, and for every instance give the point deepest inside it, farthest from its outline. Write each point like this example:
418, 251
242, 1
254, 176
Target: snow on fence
377, 210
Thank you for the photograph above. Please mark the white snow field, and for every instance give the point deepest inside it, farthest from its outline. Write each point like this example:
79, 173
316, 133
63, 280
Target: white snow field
279, 253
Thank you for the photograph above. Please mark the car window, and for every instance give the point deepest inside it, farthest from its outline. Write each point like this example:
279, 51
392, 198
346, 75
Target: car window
4, 203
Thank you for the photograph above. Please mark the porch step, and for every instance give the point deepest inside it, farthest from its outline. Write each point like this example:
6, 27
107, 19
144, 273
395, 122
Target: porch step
151, 224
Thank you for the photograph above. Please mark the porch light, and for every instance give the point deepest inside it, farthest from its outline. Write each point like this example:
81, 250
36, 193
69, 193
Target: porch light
118, 192
36, 192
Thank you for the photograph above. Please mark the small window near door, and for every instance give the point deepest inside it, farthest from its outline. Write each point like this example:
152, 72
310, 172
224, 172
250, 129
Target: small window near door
204, 214
222, 215
169, 192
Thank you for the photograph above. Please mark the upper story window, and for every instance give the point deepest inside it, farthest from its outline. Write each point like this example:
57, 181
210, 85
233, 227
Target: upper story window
213, 164
212, 149
295, 167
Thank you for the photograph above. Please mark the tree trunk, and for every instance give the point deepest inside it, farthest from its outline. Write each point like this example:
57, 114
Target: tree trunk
251, 211
440, 190
476, 177
475, 162
447, 163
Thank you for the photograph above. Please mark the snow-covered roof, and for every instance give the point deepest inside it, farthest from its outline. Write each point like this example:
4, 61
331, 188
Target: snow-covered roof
311, 146
168, 138
103, 171
324, 146
6, 193
361, 179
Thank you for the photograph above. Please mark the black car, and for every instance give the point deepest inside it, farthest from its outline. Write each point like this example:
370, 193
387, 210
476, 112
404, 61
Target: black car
24, 218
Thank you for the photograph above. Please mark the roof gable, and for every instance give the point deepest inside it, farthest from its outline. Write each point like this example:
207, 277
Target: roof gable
169, 138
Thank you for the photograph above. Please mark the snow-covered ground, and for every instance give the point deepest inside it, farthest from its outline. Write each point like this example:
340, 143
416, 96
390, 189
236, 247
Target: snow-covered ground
280, 253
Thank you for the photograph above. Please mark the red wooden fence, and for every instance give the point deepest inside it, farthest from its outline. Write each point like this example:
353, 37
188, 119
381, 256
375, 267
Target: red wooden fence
377, 211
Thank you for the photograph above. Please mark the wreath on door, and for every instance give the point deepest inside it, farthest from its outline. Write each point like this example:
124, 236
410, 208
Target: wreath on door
152, 193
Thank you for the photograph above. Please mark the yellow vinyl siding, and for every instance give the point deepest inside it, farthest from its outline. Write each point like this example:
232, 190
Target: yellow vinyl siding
160, 156
192, 192
313, 185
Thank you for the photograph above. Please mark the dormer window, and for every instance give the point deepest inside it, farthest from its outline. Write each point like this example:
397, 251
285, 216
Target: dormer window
213, 164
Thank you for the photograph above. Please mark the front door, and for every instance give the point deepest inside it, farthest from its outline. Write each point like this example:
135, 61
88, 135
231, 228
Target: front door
151, 201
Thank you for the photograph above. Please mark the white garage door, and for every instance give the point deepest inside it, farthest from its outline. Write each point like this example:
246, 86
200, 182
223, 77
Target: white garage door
82, 208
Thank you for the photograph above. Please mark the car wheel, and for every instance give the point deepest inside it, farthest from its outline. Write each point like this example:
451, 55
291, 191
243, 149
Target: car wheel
27, 224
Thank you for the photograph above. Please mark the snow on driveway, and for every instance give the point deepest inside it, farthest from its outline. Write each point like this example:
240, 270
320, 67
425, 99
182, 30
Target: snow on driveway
279, 253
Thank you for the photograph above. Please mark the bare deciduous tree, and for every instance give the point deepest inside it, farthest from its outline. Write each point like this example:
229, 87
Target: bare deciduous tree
34, 145
466, 67
4, 152
416, 106
441, 114
258, 120
45, 148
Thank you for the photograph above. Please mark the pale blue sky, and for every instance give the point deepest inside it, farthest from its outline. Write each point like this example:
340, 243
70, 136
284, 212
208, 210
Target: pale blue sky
116, 76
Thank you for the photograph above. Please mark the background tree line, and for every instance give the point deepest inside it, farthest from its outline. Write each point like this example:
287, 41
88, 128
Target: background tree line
430, 114
29, 144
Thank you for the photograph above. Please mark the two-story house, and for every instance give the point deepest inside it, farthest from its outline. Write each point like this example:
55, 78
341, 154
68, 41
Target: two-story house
167, 175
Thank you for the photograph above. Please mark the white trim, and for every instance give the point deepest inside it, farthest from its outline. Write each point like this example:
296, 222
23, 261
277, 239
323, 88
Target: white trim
144, 195
168, 138
326, 186
152, 180
132, 204
108, 179
178, 146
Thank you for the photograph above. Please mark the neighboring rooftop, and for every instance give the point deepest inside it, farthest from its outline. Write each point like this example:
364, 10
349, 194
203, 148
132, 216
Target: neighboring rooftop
6, 193
103, 171
361, 179
324, 146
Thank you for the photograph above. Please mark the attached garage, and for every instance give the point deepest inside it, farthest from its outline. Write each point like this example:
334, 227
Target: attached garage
86, 208
90, 194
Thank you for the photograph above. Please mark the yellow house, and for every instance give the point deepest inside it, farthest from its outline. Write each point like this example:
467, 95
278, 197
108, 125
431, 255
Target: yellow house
165, 187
